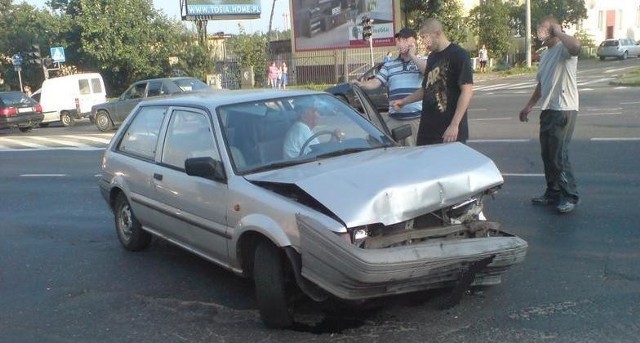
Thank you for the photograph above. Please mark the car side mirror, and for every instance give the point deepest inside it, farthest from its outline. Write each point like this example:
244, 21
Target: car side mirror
401, 132
205, 167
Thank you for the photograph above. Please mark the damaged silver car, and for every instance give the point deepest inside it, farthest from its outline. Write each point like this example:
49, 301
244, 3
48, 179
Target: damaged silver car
302, 193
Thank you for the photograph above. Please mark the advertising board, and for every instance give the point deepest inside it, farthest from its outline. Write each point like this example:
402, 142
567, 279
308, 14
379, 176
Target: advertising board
221, 9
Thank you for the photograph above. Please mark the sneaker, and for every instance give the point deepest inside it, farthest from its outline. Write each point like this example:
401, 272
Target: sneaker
545, 200
565, 206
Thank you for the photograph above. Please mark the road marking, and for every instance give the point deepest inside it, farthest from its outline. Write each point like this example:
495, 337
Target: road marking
490, 119
23, 143
598, 114
499, 140
615, 139
621, 87
630, 103
523, 175
43, 175
89, 138
584, 83
478, 109
586, 89
60, 141
492, 87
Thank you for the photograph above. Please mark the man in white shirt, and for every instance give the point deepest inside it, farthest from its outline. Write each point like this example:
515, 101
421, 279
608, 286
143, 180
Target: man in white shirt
302, 130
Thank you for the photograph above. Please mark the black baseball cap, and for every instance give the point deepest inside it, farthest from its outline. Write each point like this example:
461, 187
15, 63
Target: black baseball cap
406, 33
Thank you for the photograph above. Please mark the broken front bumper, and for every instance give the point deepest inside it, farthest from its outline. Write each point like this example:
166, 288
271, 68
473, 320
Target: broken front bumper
349, 272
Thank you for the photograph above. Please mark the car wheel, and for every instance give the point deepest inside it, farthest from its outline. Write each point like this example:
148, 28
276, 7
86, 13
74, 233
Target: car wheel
103, 123
67, 119
25, 128
624, 56
130, 232
269, 278
601, 58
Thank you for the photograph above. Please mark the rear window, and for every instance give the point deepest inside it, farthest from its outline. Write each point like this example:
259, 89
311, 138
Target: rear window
190, 84
610, 43
96, 85
15, 99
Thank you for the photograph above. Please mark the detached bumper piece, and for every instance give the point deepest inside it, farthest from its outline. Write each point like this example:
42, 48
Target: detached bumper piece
352, 273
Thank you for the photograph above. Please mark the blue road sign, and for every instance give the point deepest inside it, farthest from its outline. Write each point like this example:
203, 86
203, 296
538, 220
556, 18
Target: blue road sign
16, 60
57, 54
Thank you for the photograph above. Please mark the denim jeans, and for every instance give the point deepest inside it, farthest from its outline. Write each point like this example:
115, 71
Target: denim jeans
556, 129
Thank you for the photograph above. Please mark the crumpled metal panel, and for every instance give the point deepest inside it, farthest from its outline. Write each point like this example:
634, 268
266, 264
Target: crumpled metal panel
391, 185
349, 272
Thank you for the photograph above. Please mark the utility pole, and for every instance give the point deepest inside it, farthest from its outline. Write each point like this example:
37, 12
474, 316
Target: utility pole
527, 37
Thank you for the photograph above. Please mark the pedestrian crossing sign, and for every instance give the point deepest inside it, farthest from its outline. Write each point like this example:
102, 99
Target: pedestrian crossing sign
57, 54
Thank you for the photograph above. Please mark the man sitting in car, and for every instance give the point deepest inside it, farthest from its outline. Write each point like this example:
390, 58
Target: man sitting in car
302, 130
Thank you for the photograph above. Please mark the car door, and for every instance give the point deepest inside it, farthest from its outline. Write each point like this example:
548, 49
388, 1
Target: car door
379, 95
194, 209
369, 111
128, 100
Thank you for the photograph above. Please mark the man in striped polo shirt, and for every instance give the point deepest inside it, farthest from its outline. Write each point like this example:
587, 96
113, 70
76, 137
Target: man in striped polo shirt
402, 76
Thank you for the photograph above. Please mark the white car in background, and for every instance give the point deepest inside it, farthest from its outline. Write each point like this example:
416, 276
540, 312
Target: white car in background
618, 48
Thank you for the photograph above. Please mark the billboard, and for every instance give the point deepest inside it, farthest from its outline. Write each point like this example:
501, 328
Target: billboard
220, 9
337, 24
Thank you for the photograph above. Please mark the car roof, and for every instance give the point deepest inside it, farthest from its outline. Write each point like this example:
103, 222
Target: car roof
227, 97
168, 78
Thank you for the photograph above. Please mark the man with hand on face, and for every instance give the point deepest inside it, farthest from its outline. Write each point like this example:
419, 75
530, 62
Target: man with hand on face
446, 90
558, 89
402, 76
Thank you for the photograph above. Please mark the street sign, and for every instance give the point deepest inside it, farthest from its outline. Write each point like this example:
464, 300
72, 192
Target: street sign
17, 68
57, 54
16, 60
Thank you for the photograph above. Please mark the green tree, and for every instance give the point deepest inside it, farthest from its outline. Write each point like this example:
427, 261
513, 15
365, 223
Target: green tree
449, 12
491, 23
251, 51
568, 12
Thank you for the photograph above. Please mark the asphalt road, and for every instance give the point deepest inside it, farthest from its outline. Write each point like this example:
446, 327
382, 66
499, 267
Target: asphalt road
64, 277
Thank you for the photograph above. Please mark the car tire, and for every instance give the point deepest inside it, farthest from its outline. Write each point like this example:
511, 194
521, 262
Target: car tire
624, 56
130, 232
601, 58
67, 119
25, 128
269, 278
103, 122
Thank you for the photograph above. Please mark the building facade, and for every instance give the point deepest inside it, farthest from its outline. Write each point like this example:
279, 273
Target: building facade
612, 19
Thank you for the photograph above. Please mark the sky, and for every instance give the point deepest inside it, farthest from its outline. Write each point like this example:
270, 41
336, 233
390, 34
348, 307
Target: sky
172, 9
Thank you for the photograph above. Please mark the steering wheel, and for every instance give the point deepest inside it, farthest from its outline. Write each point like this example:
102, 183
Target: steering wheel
314, 136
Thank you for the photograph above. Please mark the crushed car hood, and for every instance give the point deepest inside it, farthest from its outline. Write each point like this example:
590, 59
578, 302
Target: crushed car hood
391, 185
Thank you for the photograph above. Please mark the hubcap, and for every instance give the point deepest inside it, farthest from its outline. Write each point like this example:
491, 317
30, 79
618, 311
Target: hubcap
65, 119
125, 222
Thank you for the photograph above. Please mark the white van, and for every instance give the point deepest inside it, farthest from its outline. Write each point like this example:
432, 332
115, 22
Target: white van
68, 98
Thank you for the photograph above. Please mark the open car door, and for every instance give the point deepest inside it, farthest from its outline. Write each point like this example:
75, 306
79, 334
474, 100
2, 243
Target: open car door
370, 113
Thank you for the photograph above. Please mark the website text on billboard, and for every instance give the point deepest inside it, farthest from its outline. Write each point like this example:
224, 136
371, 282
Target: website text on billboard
223, 7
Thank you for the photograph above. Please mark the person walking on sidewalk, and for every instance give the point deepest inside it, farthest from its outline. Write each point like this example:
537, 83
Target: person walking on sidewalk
483, 57
558, 89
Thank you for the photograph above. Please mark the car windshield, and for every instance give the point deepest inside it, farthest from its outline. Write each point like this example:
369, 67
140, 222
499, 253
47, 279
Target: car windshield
15, 99
190, 84
286, 131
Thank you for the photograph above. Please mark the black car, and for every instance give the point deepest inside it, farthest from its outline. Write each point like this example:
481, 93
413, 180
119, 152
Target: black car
111, 114
19, 110
378, 96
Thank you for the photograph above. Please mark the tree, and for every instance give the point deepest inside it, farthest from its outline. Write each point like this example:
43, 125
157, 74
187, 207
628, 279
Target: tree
251, 51
449, 12
568, 12
491, 23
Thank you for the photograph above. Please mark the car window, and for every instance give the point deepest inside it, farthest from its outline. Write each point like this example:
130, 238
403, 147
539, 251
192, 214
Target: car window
610, 43
96, 85
15, 99
189, 84
136, 91
189, 135
265, 133
83, 85
154, 89
141, 136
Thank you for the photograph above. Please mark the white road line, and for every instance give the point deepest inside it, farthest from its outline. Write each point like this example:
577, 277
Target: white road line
621, 87
499, 140
61, 141
490, 87
478, 109
615, 139
524, 175
586, 89
584, 83
22, 143
490, 119
598, 114
630, 103
43, 175
89, 138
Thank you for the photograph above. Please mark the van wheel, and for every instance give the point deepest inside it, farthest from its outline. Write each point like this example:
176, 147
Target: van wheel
270, 283
601, 58
103, 123
25, 128
67, 119
130, 232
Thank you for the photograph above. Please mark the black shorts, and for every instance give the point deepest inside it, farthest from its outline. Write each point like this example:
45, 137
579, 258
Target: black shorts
483, 64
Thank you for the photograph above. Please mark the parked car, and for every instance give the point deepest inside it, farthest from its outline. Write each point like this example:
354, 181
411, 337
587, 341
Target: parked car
19, 110
68, 98
379, 96
352, 217
618, 48
110, 115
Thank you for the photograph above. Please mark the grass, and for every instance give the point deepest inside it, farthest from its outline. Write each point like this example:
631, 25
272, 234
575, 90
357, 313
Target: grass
631, 78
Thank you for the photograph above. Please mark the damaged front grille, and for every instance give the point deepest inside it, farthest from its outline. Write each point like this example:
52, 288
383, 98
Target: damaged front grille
463, 220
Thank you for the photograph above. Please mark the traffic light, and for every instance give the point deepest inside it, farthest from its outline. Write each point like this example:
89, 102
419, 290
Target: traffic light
34, 55
367, 30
